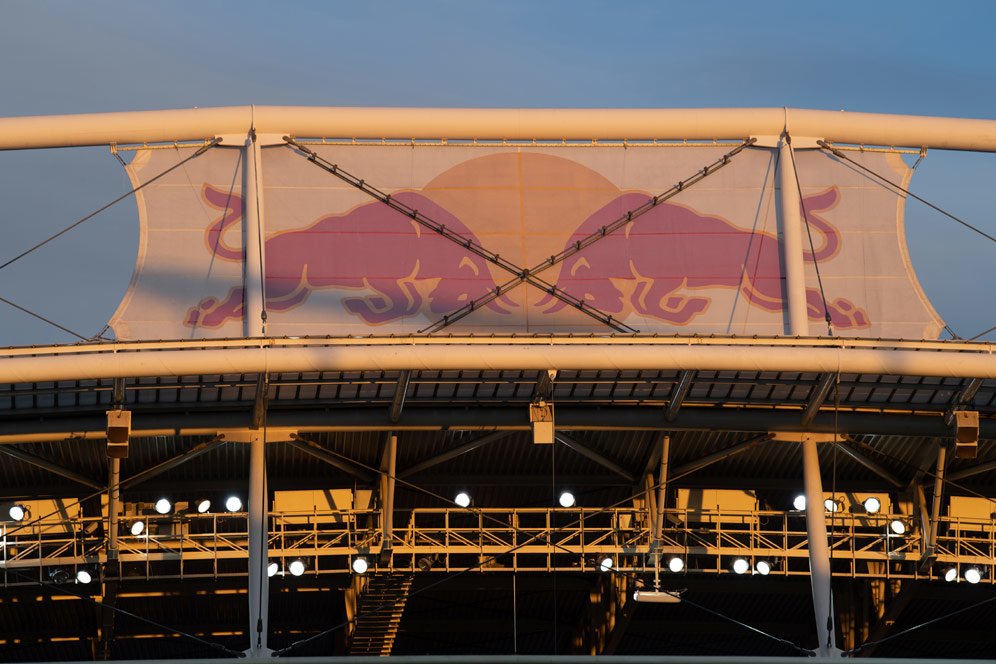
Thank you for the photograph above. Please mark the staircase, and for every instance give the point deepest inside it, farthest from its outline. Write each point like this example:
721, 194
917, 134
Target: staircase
379, 610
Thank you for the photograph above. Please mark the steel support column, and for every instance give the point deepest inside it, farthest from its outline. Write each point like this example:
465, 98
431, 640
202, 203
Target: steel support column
387, 480
819, 551
662, 488
789, 207
935, 508
252, 233
258, 509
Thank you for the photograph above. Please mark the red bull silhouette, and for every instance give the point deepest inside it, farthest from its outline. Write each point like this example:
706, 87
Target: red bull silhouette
372, 247
672, 250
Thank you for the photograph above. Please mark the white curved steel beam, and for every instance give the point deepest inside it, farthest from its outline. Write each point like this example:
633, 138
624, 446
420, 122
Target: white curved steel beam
179, 358
494, 123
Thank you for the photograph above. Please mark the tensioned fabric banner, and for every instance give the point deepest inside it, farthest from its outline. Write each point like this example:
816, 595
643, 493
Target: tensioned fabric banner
338, 262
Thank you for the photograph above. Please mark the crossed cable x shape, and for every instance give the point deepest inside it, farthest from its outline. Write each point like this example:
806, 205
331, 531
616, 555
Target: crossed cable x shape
520, 275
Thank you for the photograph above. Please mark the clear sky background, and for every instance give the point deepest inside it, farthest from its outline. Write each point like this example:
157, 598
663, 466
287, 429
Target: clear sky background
74, 57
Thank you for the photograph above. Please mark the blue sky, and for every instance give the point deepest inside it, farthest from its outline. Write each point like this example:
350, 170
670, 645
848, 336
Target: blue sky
72, 57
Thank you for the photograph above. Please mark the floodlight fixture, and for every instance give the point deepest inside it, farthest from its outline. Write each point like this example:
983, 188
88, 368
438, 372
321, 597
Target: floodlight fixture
425, 563
762, 567
272, 568
360, 565
951, 574
676, 564
83, 576
137, 527
203, 505
233, 504
740, 566
462, 499
897, 526
872, 505
58, 575
832, 505
297, 567
973, 575
606, 564
567, 499
163, 506
799, 502
18, 512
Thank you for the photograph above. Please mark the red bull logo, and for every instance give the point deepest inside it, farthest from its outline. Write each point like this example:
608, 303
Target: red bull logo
672, 251
662, 266
371, 248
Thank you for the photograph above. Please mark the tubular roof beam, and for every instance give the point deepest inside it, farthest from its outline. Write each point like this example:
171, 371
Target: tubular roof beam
194, 452
589, 453
818, 397
685, 380
38, 462
313, 449
715, 457
871, 465
493, 123
971, 471
194, 358
454, 453
400, 393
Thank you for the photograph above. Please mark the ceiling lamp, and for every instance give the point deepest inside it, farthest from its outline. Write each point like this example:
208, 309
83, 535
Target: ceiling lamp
137, 527
163, 506
360, 565
567, 499
676, 564
799, 503
740, 566
203, 505
233, 504
872, 505
762, 567
462, 499
606, 564
297, 567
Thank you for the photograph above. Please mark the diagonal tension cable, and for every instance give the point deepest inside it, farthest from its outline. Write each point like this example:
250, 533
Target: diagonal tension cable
582, 244
468, 244
42, 318
840, 155
809, 232
542, 537
869, 644
125, 612
204, 148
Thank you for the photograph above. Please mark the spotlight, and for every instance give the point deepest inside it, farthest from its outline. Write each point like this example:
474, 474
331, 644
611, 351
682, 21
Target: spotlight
59, 575
425, 563
897, 526
832, 505
203, 505
740, 566
360, 565
762, 567
18, 512
233, 504
137, 528
462, 499
297, 567
973, 575
567, 499
951, 574
872, 505
83, 576
163, 506
272, 568
606, 564
799, 502
676, 564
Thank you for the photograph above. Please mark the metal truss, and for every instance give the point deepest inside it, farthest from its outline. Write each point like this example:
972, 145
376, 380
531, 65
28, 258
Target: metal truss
499, 540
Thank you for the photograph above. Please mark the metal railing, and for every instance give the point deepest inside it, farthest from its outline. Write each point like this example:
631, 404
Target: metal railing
497, 540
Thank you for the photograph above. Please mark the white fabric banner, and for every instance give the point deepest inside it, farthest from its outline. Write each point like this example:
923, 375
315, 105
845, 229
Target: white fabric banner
338, 262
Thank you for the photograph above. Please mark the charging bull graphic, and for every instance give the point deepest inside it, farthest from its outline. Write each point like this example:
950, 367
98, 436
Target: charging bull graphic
371, 248
673, 250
